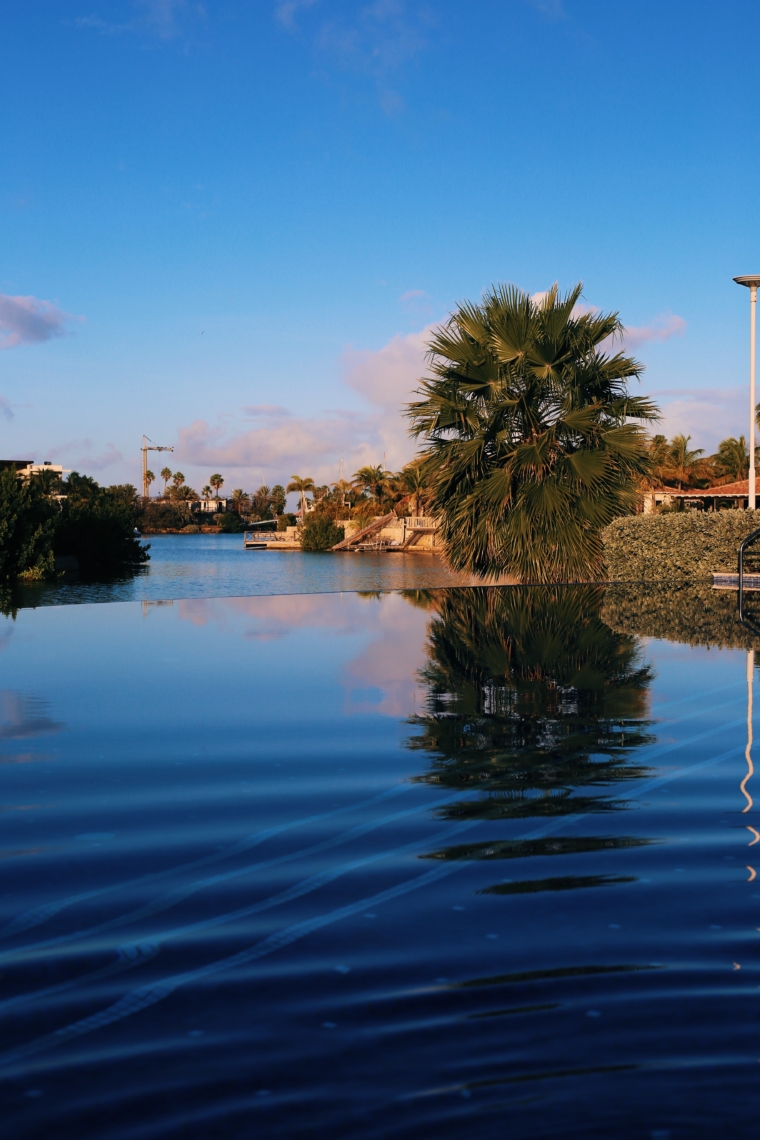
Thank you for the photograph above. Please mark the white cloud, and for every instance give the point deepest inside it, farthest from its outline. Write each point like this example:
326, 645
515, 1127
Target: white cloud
708, 415
285, 11
28, 320
161, 19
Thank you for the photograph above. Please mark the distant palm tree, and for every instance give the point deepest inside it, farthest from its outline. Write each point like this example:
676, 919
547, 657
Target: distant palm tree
149, 478
178, 479
49, 482
206, 492
302, 486
166, 474
682, 464
239, 498
217, 482
732, 459
261, 501
410, 478
342, 487
182, 493
373, 480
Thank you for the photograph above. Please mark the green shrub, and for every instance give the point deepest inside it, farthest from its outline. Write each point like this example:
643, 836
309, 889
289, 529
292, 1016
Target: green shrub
677, 546
320, 533
228, 523
284, 521
99, 532
27, 521
164, 516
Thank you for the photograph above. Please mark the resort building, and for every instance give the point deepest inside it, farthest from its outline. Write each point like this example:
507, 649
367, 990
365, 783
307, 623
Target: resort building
731, 496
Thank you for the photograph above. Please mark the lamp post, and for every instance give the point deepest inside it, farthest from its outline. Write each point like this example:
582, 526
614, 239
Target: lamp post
752, 281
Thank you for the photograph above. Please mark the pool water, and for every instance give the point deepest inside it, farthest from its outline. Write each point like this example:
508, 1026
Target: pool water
434, 863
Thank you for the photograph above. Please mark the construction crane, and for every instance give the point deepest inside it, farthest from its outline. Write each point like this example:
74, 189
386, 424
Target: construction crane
149, 445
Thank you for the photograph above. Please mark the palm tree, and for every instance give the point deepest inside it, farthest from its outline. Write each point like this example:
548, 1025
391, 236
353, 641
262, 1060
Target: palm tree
239, 497
149, 478
411, 479
206, 492
372, 480
166, 474
217, 482
342, 487
261, 501
682, 464
732, 459
178, 479
302, 486
529, 450
49, 482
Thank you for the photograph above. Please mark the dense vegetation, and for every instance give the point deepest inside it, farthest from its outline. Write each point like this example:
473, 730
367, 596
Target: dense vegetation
320, 533
529, 451
682, 545
43, 518
27, 526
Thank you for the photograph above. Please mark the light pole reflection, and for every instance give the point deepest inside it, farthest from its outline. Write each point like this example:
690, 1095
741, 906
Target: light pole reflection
748, 749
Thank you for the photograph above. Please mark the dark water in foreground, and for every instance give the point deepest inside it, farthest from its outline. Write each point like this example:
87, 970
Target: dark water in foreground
466, 863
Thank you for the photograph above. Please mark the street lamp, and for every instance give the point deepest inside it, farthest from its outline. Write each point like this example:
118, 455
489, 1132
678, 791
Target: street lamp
752, 281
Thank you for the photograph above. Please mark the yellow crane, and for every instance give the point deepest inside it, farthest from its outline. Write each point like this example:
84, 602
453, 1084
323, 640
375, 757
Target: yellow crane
149, 445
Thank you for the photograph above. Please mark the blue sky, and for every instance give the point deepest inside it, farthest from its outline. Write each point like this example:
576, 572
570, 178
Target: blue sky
230, 225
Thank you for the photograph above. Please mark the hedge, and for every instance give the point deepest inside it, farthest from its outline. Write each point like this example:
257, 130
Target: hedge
675, 546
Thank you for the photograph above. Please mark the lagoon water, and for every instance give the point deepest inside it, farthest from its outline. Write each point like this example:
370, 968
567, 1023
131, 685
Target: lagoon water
434, 863
213, 566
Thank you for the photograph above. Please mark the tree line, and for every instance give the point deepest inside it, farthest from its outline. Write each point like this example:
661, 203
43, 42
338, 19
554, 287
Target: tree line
676, 465
44, 517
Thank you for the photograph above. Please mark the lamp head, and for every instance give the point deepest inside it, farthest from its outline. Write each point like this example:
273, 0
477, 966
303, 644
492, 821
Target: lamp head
751, 280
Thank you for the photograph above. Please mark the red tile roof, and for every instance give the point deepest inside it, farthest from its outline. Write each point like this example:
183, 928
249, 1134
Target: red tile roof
728, 490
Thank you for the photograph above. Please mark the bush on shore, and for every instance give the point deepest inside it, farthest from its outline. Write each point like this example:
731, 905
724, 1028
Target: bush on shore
27, 525
228, 523
675, 546
320, 533
164, 516
99, 532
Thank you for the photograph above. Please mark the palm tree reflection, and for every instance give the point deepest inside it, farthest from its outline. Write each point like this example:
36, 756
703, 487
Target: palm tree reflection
531, 700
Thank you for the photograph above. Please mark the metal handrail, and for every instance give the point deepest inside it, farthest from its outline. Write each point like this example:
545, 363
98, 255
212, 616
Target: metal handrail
746, 621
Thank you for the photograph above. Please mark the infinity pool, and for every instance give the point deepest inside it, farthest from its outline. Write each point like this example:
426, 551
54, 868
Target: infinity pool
444, 863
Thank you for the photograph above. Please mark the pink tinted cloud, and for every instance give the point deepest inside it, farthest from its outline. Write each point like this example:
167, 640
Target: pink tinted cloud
662, 328
79, 455
281, 443
28, 320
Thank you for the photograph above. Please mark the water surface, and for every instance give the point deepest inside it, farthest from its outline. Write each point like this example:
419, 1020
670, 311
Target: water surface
217, 565
454, 863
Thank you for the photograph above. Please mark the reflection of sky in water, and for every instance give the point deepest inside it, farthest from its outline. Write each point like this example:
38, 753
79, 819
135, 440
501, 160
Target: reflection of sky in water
350, 865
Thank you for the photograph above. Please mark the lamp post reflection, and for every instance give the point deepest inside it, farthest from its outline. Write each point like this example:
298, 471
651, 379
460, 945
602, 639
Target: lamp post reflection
748, 749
